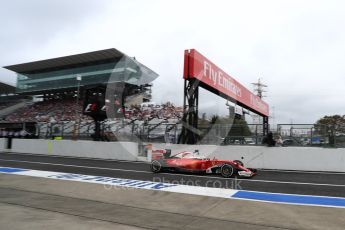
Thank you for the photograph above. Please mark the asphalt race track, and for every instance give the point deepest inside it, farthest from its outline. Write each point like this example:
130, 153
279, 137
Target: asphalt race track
291, 182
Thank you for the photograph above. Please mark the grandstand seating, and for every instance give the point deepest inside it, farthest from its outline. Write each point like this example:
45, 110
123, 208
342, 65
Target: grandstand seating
62, 111
58, 116
146, 113
48, 111
58, 110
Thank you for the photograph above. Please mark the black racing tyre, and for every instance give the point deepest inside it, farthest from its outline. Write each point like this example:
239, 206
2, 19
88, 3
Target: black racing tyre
227, 170
239, 162
156, 166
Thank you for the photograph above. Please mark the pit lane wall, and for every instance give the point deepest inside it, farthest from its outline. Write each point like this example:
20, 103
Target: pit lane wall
3, 143
88, 149
284, 158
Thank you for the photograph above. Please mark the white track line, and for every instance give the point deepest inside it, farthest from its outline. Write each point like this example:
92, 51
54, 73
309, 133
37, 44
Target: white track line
147, 172
145, 162
75, 166
299, 171
76, 158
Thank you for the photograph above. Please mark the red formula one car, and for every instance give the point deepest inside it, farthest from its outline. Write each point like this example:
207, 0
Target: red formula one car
194, 162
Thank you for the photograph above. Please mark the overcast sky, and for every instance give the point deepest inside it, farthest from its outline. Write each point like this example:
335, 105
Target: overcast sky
296, 47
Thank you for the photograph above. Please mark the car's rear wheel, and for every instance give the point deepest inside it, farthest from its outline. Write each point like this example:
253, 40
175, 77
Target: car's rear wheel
227, 170
156, 166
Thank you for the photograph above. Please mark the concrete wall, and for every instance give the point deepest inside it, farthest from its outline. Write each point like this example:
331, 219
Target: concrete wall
288, 158
91, 149
3, 143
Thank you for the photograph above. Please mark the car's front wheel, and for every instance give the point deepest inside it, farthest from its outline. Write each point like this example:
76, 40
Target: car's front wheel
227, 170
156, 166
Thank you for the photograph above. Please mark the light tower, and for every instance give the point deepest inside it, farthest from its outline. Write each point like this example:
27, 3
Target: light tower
259, 88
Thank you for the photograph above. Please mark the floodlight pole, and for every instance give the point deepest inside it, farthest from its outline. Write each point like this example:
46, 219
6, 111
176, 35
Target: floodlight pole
78, 92
77, 115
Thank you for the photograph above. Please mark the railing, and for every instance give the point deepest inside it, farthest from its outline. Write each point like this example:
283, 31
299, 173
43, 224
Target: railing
310, 135
66, 130
167, 132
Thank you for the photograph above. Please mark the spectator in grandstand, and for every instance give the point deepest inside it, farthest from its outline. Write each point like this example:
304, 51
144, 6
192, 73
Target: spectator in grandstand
23, 133
3, 133
10, 133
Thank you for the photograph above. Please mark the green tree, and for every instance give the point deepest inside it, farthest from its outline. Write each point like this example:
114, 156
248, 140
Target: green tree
330, 125
236, 126
214, 119
239, 128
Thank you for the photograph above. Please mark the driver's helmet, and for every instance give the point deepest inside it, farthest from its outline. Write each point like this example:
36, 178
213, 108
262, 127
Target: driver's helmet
167, 153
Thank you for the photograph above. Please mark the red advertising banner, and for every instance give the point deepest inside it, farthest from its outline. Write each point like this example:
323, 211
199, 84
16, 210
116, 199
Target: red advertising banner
199, 67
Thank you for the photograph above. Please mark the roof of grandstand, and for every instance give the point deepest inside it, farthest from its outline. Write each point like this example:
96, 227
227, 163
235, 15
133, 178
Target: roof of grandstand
70, 60
93, 68
6, 88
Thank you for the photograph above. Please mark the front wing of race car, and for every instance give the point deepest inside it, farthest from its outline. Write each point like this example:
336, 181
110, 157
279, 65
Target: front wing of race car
248, 173
239, 170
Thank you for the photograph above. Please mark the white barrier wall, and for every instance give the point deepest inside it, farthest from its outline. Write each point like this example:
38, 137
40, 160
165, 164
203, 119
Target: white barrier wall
286, 158
91, 149
3, 143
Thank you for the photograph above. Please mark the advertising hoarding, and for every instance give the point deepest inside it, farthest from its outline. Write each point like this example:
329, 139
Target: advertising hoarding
196, 66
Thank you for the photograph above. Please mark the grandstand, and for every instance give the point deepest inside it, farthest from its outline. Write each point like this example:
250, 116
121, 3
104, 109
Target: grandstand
59, 85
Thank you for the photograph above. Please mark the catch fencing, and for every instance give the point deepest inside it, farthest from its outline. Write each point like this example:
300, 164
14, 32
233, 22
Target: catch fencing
165, 131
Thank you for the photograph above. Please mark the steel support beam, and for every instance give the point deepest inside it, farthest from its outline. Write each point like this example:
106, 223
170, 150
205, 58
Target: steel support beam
265, 126
190, 132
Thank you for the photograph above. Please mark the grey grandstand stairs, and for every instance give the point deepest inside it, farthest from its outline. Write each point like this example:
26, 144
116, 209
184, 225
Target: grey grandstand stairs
13, 108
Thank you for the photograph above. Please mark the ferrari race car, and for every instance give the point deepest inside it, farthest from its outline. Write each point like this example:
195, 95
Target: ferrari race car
193, 162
